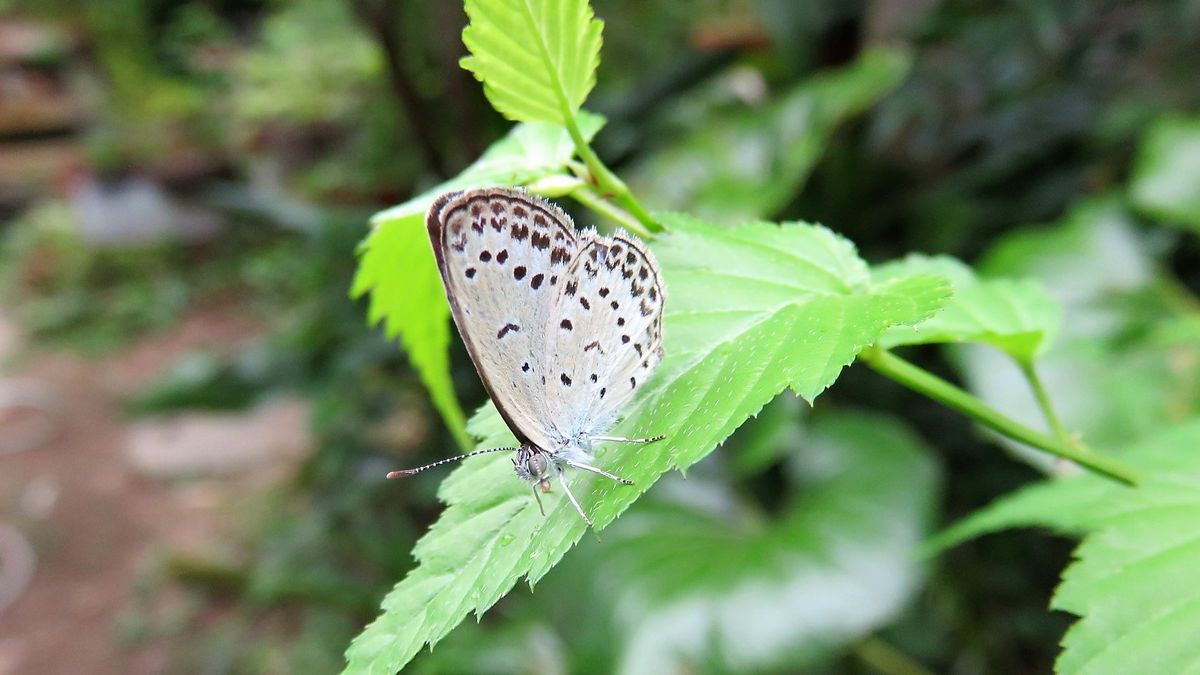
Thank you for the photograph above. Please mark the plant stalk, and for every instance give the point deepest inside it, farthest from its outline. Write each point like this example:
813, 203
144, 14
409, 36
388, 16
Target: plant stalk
922, 381
1043, 401
587, 196
608, 181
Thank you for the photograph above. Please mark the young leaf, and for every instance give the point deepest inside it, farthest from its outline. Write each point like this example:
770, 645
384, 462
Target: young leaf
1166, 178
786, 591
749, 164
752, 310
537, 59
1016, 316
396, 265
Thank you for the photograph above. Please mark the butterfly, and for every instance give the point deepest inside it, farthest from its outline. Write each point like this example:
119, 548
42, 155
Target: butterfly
563, 326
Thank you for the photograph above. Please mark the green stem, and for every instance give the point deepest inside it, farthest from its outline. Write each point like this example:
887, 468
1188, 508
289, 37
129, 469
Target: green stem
588, 197
885, 658
608, 181
1043, 401
920, 380
605, 179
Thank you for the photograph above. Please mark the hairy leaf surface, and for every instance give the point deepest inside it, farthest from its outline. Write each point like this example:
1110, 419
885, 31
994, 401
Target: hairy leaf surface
751, 310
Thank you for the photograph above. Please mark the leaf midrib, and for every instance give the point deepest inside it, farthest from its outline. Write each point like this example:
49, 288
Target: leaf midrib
544, 50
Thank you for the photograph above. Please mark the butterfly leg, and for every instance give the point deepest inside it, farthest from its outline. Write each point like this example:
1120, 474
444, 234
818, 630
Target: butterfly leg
621, 439
602, 472
538, 497
574, 502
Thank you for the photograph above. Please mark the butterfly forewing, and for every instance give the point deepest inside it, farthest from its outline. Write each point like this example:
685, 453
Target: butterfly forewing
502, 256
605, 330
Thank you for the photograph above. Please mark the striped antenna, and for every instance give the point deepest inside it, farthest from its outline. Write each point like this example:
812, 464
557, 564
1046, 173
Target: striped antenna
408, 472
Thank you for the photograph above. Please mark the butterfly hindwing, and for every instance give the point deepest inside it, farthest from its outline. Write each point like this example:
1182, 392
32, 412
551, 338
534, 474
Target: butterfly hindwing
502, 255
605, 333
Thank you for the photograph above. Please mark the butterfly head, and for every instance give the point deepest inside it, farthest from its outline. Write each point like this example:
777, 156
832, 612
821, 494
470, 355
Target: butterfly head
534, 465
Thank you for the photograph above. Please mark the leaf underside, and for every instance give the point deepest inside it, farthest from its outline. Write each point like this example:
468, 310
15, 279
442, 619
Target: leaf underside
836, 564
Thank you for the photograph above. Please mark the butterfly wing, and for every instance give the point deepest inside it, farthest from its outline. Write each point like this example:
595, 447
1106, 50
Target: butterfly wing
605, 329
501, 254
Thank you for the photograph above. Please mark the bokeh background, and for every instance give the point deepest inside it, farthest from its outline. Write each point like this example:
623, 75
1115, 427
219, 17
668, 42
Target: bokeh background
195, 417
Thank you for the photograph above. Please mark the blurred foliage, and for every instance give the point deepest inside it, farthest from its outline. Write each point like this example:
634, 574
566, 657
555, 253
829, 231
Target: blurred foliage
1124, 365
1166, 180
975, 123
736, 160
61, 286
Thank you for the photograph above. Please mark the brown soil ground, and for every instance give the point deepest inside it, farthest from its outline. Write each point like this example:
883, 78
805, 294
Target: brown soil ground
97, 525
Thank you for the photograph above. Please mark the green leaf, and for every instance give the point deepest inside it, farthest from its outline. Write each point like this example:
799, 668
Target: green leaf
786, 591
537, 59
1077, 504
1166, 177
1133, 582
397, 268
1016, 316
752, 310
750, 163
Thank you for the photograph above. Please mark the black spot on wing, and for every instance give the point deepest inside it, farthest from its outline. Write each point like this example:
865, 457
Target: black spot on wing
564, 379
519, 272
506, 329
536, 282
